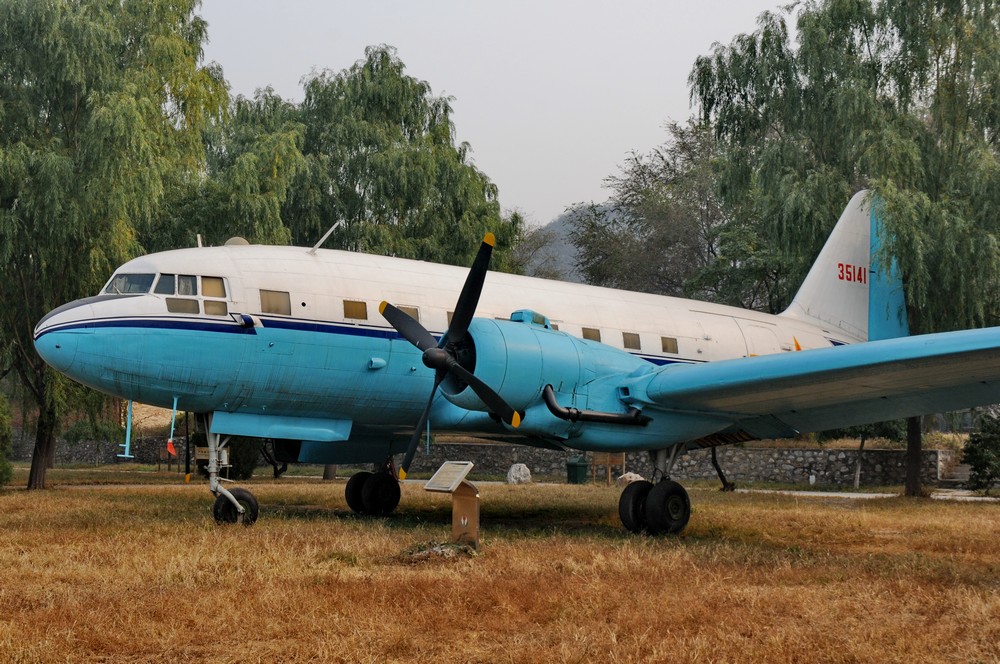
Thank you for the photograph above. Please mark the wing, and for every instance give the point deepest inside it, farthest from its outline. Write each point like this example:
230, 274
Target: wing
813, 390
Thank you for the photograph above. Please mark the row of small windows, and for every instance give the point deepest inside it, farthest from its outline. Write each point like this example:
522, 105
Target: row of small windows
279, 302
630, 340
182, 289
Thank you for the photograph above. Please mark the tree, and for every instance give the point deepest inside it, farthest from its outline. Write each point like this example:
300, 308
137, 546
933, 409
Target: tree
104, 103
253, 158
982, 453
381, 159
898, 96
660, 229
6, 442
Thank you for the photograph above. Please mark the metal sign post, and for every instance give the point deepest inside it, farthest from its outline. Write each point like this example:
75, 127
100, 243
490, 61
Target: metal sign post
450, 478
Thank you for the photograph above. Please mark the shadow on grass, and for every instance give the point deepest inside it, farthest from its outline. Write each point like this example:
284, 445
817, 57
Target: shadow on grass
499, 521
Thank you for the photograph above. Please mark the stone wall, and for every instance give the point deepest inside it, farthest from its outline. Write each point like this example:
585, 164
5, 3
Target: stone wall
831, 467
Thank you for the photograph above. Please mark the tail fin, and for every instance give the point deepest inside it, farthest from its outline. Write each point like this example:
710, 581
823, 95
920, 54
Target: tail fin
846, 289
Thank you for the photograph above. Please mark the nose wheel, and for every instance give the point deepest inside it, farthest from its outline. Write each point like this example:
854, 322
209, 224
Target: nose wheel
225, 511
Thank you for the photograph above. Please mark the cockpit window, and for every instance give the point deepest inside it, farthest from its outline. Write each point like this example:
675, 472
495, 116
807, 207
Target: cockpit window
165, 285
121, 284
187, 284
213, 287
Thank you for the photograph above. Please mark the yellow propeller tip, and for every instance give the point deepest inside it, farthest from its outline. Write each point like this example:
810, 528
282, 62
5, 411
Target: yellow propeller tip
402, 474
381, 307
515, 421
490, 239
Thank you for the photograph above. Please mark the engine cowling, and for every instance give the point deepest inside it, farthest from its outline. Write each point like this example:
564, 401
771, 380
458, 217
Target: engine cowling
518, 359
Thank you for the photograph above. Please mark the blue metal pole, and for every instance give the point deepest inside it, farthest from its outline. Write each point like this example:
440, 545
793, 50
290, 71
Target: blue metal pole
128, 435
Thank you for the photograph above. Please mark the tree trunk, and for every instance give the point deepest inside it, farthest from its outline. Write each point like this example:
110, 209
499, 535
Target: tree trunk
857, 465
45, 445
330, 471
914, 444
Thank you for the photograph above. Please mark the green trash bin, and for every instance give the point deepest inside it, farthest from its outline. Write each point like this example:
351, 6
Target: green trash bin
576, 469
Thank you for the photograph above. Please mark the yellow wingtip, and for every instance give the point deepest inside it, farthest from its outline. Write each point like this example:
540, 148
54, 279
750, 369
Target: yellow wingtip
516, 420
490, 239
402, 474
381, 307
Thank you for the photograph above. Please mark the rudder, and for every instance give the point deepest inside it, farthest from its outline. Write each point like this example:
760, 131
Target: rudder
846, 289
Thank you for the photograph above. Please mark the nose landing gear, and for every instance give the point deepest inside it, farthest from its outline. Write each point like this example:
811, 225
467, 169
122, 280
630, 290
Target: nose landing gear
236, 506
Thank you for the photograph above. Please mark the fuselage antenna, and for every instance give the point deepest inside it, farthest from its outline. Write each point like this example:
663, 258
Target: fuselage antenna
328, 233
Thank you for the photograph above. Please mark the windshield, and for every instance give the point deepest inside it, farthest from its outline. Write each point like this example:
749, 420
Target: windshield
121, 284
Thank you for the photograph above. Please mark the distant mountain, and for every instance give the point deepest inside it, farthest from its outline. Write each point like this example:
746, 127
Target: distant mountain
548, 251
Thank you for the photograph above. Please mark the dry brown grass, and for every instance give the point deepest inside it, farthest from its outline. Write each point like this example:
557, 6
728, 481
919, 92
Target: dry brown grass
142, 574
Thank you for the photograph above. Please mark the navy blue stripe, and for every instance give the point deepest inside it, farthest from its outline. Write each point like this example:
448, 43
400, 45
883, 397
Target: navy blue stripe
276, 324
328, 328
175, 324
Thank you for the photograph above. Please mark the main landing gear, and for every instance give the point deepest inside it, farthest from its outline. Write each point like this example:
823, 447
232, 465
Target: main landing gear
373, 494
660, 508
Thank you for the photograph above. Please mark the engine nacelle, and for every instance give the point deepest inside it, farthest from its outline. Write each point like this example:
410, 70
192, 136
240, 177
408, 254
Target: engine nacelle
518, 359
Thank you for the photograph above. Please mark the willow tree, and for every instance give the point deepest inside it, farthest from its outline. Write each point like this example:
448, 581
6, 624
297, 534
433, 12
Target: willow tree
253, 159
382, 161
900, 96
102, 104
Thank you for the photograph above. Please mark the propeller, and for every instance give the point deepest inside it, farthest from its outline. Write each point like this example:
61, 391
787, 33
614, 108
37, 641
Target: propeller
442, 356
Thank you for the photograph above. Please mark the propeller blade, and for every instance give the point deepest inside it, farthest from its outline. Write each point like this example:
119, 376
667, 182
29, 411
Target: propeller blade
493, 401
473, 288
411, 449
411, 330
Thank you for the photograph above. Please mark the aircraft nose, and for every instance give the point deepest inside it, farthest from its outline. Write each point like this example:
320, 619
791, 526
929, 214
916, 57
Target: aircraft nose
57, 335
58, 349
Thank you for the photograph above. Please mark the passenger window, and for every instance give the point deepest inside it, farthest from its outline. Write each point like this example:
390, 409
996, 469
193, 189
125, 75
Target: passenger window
356, 310
165, 286
591, 333
669, 344
216, 308
275, 302
631, 341
213, 287
555, 327
176, 305
187, 284
411, 312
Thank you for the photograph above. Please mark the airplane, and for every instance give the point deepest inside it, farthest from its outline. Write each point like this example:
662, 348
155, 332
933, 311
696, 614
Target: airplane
344, 357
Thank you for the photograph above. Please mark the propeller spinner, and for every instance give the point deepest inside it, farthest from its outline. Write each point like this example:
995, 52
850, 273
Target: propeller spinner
442, 355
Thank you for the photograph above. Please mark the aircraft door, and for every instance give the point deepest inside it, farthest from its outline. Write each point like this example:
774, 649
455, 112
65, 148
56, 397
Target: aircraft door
761, 338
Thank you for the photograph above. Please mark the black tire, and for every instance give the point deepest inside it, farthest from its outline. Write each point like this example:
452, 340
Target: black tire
380, 494
354, 490
632, 505
225, 512
668, 508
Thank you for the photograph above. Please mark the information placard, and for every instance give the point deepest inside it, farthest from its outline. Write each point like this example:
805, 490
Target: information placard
449, 476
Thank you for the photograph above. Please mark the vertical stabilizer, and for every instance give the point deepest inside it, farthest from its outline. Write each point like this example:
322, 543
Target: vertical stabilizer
846, 291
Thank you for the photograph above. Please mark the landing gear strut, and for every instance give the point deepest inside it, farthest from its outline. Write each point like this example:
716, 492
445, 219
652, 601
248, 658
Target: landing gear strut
662, 508
236, 506
373, 494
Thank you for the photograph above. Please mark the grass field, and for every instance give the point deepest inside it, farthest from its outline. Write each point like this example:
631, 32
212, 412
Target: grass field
113, 573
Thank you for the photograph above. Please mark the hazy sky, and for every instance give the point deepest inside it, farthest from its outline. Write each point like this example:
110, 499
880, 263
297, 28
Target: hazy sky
552, 95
